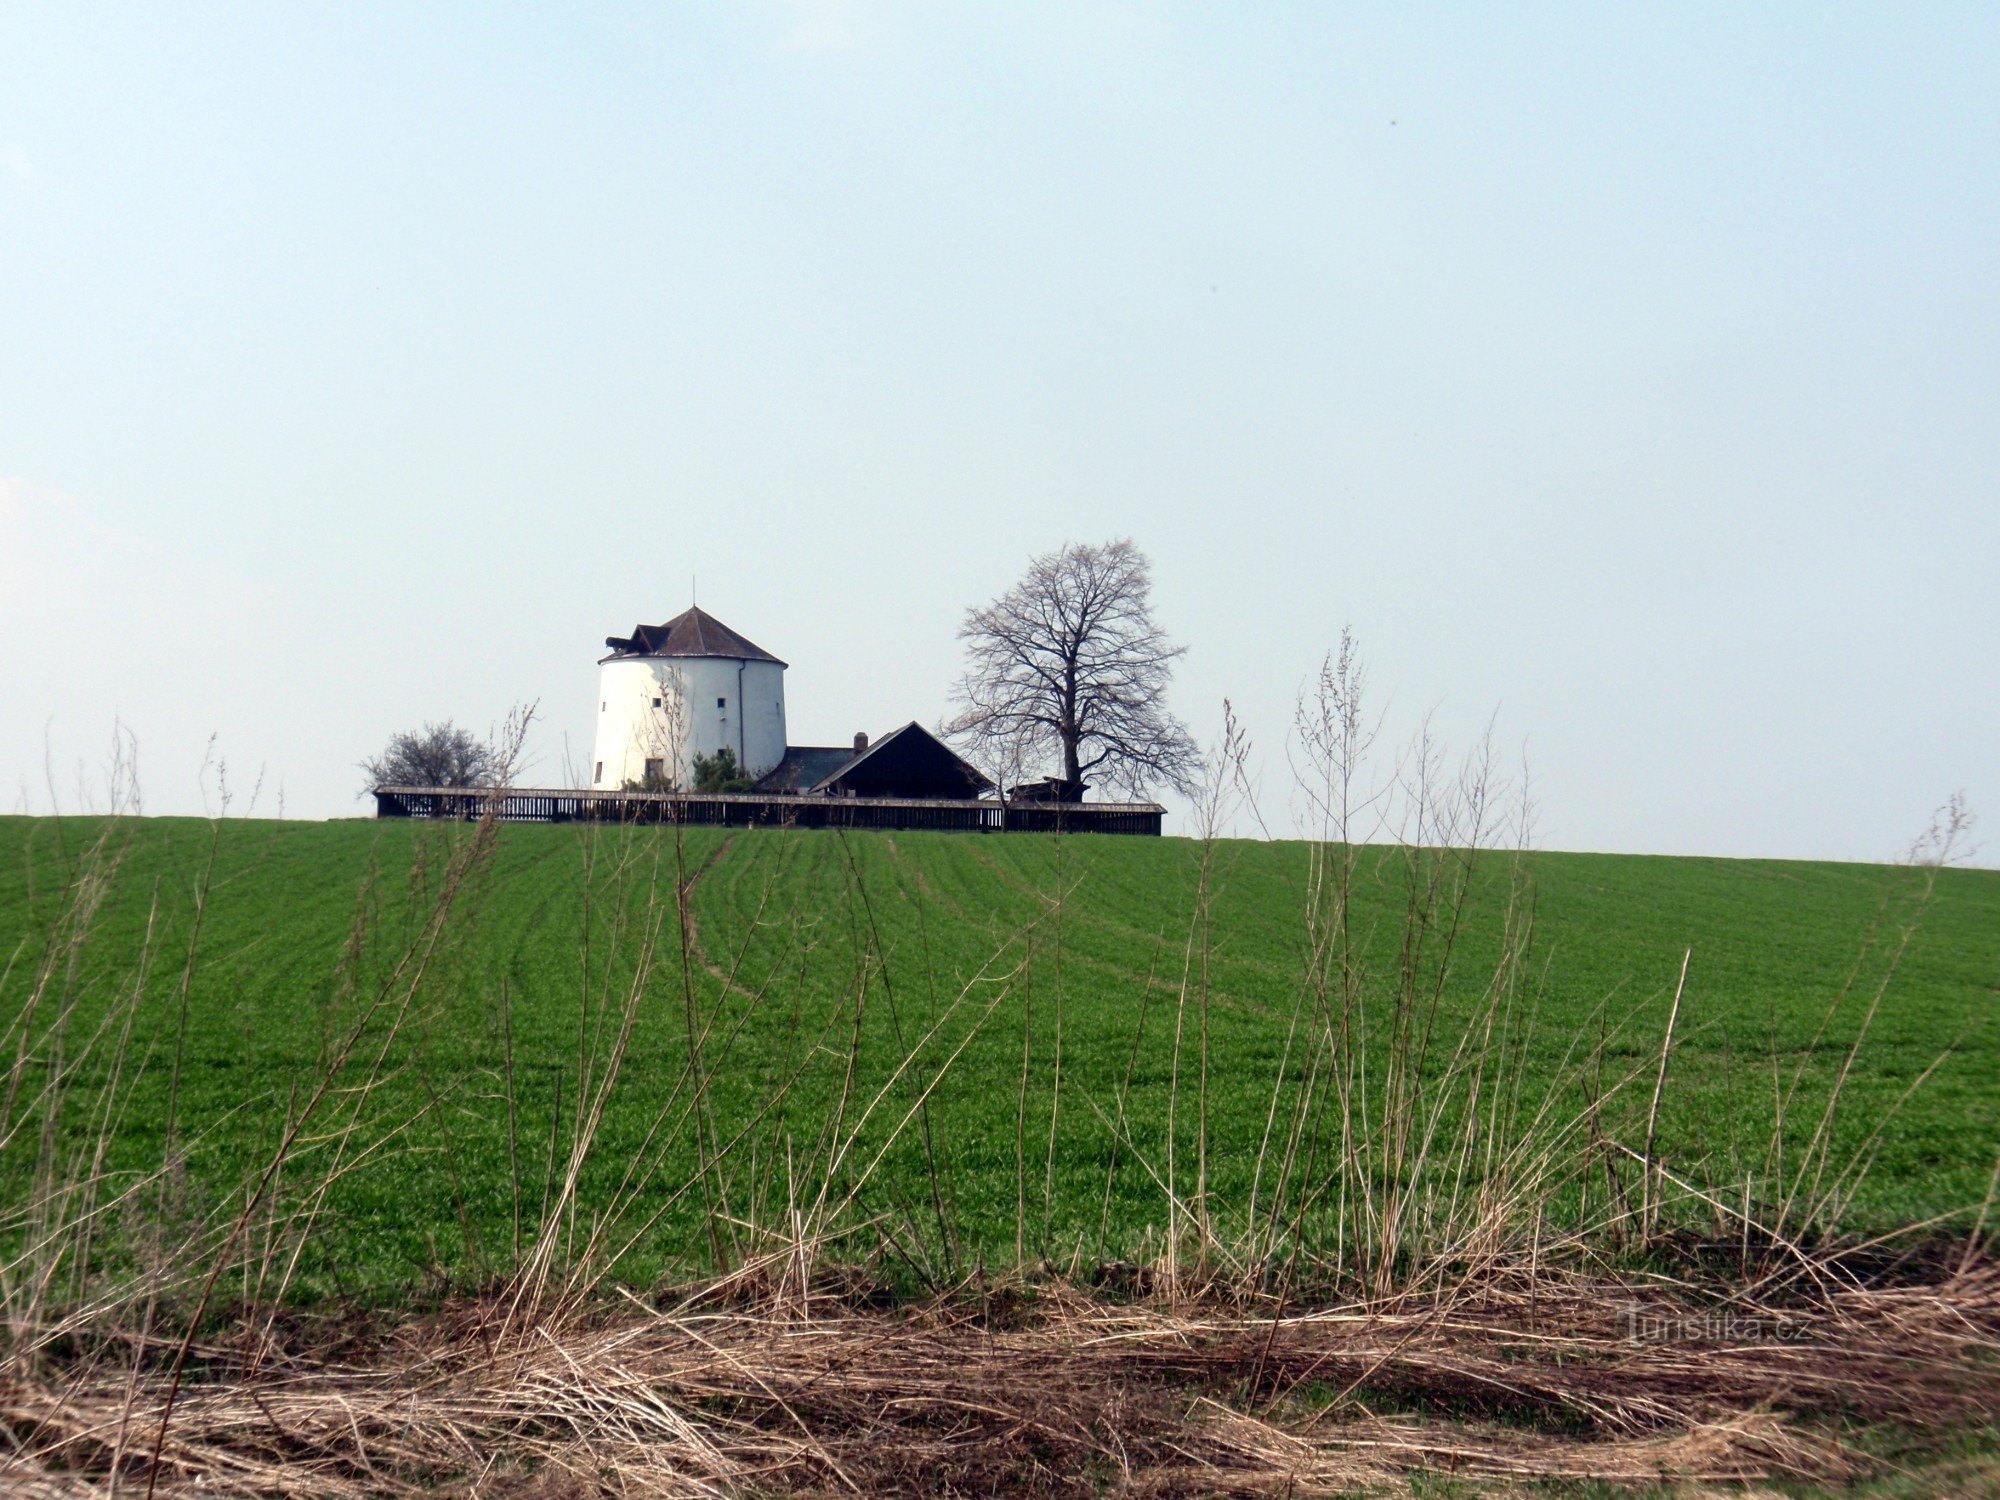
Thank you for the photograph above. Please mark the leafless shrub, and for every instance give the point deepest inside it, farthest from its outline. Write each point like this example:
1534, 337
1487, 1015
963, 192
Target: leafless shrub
437, 755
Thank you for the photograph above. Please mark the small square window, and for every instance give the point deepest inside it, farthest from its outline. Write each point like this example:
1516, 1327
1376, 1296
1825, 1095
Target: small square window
722, 703
656, 703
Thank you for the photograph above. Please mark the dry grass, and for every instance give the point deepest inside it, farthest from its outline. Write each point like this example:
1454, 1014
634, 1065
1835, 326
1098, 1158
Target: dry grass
748, 1386
1427, 1277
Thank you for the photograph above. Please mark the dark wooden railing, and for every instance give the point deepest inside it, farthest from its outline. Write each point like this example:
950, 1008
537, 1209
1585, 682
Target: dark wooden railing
749, 809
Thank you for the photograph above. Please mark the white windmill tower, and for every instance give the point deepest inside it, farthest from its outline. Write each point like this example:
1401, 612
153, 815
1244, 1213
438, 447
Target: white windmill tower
691, 687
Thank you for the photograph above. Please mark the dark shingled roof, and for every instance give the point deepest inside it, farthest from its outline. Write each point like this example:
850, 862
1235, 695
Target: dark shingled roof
693, 633
804, 767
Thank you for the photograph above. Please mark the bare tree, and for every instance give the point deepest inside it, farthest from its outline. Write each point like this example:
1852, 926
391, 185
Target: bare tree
436, 755
1069, 664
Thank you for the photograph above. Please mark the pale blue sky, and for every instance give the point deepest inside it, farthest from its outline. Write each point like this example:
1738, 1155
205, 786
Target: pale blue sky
1633, 372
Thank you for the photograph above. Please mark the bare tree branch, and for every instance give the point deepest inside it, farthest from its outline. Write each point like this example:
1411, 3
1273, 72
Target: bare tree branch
1069, 665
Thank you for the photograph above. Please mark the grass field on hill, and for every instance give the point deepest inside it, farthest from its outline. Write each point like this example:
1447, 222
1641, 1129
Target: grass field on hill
984, 1048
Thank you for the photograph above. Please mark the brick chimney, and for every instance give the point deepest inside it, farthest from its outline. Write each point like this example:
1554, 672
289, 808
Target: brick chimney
860, 740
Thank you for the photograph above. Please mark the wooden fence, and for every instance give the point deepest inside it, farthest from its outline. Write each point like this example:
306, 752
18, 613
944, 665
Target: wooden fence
749, 809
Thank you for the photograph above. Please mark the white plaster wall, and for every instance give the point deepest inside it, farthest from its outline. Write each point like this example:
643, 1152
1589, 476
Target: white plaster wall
762, 692
629, 728
703, 704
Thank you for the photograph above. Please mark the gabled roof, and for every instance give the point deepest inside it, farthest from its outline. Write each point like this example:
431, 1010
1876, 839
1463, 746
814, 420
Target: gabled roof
906, 762
911, 739
692, 633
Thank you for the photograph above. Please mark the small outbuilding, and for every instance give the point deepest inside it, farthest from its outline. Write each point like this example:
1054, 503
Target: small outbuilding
1048, 789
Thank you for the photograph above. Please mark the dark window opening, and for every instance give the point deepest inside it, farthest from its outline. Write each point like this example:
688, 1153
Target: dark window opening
722, 703
656, 703
656, 770
598, 779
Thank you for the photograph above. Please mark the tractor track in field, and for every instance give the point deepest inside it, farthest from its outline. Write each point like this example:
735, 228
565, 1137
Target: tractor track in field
696, 949
927, 889
1155, 941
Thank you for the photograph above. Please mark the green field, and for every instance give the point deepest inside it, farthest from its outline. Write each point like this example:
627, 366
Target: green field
1035, 985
